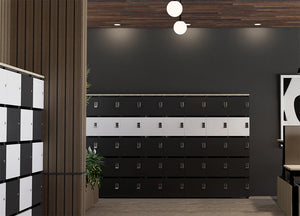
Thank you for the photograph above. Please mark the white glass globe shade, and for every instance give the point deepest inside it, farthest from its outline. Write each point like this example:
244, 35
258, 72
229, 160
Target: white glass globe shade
180, 27
174, 8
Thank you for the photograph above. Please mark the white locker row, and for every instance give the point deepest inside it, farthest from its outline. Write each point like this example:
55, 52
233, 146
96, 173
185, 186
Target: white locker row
26, 124
25, 196
13, 159
11, 87
167, 126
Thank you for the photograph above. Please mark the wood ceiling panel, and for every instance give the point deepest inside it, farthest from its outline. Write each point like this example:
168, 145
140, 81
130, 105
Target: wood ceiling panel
199, 13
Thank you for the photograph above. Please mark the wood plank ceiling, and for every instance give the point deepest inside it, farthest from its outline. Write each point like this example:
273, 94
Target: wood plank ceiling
199, 13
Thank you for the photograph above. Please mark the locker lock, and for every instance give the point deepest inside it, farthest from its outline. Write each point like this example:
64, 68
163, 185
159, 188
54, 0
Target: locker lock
138, 186
95, 104
247, 145
138, 165
225, 125
117, 186
117, 145
203, 186
181, 125
225, 166
203, 165
203, 124
247, 104
139, 105
95, 124
160, 125
138, 125
247, 165
95, 145
203, 104
160, 104
181, 186
117, 166
225, 186
181, 165
247, 125
225, 104
117, 125
117, 104
226, 145
160, 145
247, 186
181, 145
160, 165
182, 104
138, 145
203, 145
160, 186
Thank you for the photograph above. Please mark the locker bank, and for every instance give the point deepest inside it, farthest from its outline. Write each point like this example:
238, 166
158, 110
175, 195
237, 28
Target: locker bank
149, 107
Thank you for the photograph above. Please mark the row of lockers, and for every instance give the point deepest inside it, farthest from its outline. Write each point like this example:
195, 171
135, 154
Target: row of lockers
20, 159
21, 90
20, 194
176, 167
20, 124
167, 126
197, 187
171, 146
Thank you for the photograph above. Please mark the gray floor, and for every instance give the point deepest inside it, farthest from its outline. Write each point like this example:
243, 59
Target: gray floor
259, 206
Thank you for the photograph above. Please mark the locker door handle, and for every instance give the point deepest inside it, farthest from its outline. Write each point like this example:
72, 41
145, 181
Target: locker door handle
247, 125
117, 145
247, 104
117, 166
225, 125
203, 165
181, 165
181, 186
160, 145
138, 145
181, 145
159, 125
181, 125
117, 125
117, 104
203, 145
203, 104
225, 186
225, 166
139, 105
203, 124
160, 186
138, 125
95, 145
160, 165
225, 104
117, 186
95, 104
247, 165
247, 145
247, 186
182, 104
203, 186
95, 124
138, 166
226, 145
160, 104
138, 186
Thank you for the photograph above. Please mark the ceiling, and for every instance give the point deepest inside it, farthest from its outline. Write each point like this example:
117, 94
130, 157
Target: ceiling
199, 13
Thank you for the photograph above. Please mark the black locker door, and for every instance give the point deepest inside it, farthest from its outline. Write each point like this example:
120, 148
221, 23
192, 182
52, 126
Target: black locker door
91, 142
196, 187
217, 167
93, 108
175, 146
13, 124
105, 106
154, 167
154, 187
131, 106
123, 167
238, 106
216, 106
131, 147
196, 167
195, 106
2, 162
218, 187
105, 146
239, 167
37, 211
153, 106
175, 167
138, 188
27, 90
174, 106
175, 187
238, 147
26, 158
12, 197
117, 187
37, 189
196, 147
154, 146
239, 188
38, 126
217, 147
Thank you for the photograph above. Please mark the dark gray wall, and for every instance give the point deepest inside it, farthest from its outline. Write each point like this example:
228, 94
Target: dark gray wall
245, 60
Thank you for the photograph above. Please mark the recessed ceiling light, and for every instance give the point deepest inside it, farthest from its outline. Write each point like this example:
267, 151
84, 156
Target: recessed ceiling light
257, 24
117, 24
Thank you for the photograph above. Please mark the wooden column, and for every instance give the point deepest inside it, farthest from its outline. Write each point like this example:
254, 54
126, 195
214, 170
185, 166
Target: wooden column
49, 37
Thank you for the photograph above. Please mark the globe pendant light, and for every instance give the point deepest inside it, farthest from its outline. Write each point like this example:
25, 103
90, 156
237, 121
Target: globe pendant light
174, 8
180, 27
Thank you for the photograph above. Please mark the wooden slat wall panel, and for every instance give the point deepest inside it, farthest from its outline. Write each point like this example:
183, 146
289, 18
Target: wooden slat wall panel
49, 37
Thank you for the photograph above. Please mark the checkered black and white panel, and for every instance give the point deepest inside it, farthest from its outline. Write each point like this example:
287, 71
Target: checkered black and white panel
21, 143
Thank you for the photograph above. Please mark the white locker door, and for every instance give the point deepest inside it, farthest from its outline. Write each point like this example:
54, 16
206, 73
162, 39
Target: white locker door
174, 126
37, 157
239, 126
153, 126
217, 126
195, 126
12, 161
26, 125
109, 127
131, 127
3, 127
2, 86
2, 199
26, 213
92, 126
25, 200
13, 88
38, 93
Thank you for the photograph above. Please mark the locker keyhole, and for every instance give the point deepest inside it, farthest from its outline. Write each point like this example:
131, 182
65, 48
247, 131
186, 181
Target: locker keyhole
139, 105
181, 145
159, 125
95, 104
160, 145
203, 124
138, 125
